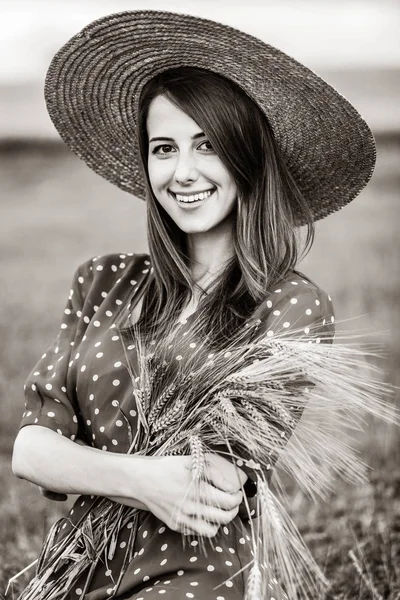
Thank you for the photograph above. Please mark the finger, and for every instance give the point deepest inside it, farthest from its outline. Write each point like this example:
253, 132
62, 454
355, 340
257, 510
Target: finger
210, 495
57, 497
227, 480
203, 528
212, 514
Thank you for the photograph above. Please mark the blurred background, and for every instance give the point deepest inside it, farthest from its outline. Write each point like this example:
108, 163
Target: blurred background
56, 213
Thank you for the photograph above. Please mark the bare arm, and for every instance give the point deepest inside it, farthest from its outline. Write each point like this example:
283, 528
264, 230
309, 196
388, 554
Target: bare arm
163, 484
56, 463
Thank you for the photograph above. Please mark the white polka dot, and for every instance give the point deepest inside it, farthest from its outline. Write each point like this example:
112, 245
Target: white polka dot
189, 595
179, 357
270, 333
78, 591
83, 368
231, 550
225, 530
277, 291
229, 584
286, 324
88, 422
308, 311
294, 283
161, 530
119, 423
133, 413
114, 442
146, 578
115, 403
180, 573
194, 543
269, 304
131, 347
116, 382
115, 338
110, 591
193, 559
108, 573
86, 319
48, 386
293, 301
192, 345
122, 545
144, 534
277, 313
228, 563
163, 562
118, 363
102, 429
332, 319
51, 414
119, 302
33, 386
317, 302
218, 548
242, 541
64, 326
99, 354
95, 377
164, 547
220, 598
194, 583
210, 568
96, 411
75, 419
306, 330
162, 591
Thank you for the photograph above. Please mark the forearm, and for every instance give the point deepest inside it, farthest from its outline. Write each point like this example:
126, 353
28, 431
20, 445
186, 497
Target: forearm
53, 462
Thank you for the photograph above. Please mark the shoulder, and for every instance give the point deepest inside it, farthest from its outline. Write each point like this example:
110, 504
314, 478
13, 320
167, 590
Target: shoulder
298, 305
108, 270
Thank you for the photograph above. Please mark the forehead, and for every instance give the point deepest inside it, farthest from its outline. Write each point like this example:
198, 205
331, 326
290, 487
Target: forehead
166, 119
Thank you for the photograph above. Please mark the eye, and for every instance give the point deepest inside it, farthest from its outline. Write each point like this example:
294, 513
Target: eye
206, 147
163, 150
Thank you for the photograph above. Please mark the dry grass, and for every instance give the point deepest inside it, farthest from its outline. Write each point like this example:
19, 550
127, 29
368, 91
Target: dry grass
56, 213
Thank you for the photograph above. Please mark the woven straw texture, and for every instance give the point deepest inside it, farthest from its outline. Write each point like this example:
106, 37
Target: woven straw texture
94, 82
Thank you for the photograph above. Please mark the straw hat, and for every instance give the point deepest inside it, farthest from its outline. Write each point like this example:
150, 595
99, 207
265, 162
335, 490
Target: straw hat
94, 83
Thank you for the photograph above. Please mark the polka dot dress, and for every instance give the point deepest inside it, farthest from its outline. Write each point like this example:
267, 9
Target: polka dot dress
81, 388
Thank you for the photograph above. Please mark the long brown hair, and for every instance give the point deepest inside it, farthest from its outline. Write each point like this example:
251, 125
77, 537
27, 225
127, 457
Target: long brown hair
265, 237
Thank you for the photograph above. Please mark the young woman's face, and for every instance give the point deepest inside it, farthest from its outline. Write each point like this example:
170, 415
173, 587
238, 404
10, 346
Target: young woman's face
187, 177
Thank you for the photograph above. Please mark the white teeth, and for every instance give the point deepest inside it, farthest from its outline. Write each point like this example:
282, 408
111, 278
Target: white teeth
195, 197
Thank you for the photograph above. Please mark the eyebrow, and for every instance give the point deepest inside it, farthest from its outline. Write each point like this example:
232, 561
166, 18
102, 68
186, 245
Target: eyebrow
196, 136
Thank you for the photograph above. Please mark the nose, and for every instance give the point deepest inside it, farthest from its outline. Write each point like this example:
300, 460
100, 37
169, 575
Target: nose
186, 169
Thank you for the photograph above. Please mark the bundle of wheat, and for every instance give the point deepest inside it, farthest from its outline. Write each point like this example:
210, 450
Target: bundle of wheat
270, 405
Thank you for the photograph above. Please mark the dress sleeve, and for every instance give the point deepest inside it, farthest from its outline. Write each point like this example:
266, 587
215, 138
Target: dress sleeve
50, 395
298, 310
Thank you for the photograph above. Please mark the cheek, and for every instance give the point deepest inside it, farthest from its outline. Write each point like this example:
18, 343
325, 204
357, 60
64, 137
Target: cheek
159, 173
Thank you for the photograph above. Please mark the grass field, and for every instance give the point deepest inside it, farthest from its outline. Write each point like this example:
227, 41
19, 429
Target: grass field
56, 214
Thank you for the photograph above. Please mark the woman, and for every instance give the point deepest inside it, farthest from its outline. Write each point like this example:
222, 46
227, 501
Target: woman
231, 161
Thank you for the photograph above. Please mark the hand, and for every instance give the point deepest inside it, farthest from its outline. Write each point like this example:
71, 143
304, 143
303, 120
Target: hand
53, 495
192, 507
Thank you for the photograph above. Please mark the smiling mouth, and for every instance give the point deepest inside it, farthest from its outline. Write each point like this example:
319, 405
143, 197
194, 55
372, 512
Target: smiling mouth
193, 197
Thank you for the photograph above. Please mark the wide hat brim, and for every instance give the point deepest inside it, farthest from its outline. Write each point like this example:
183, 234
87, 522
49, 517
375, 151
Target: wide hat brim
94, 82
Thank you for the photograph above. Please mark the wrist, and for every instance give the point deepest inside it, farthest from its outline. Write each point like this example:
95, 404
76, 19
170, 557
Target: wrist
132, 474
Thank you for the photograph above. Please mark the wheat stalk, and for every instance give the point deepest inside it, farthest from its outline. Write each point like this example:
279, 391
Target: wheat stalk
254, 589
198, 458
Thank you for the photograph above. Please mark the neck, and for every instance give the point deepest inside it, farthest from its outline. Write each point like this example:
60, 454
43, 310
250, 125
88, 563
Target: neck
209, 252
